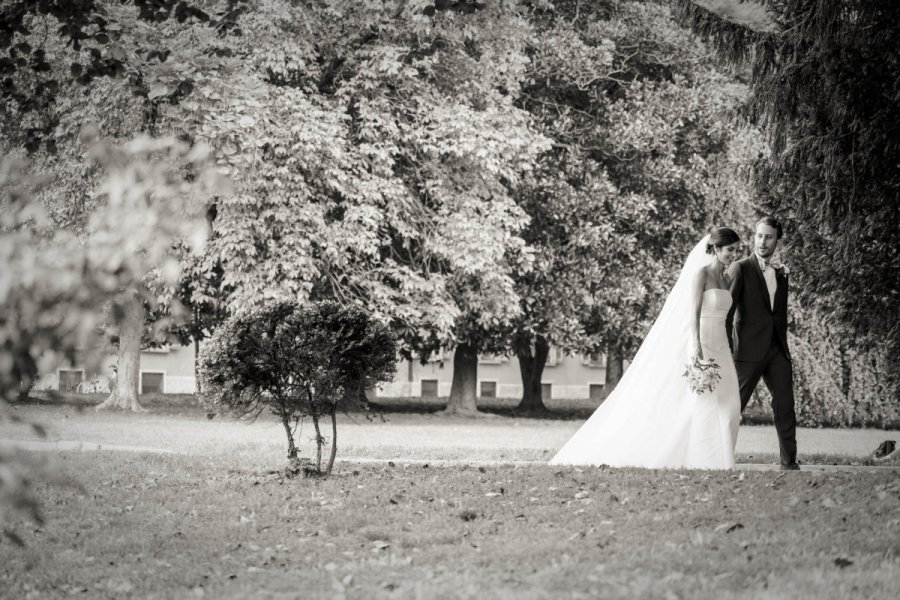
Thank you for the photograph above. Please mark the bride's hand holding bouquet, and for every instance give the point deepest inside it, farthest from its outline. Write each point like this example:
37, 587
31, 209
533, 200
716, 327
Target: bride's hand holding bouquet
702, 375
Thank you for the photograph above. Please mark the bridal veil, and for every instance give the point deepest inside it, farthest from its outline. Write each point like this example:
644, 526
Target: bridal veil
644, 421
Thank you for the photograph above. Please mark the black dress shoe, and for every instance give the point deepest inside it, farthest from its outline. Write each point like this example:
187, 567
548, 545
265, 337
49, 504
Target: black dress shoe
790, 467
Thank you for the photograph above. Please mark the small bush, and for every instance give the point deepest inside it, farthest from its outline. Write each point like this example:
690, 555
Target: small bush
297, 361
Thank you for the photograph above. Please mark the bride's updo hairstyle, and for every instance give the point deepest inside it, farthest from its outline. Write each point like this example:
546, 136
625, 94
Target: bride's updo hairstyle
721, 237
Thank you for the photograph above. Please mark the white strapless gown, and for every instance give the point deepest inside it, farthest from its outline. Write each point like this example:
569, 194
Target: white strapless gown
680, 430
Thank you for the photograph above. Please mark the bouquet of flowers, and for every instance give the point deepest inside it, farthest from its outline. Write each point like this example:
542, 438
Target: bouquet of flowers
702, 375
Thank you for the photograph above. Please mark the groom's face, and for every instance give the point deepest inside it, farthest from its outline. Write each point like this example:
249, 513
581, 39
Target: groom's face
765, 240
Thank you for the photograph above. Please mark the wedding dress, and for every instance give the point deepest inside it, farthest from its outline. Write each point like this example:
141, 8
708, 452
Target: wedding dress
652, 419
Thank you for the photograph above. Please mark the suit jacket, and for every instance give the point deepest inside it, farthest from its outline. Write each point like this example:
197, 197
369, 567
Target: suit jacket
753, 324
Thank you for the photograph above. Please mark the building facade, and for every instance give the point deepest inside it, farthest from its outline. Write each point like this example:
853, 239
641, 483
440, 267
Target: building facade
170, 370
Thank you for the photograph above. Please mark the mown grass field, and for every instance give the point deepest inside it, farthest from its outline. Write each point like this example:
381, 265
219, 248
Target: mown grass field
220, 518
398, 436
169, 526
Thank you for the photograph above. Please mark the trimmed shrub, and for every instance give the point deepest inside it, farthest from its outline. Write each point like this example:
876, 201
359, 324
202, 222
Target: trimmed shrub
297, 361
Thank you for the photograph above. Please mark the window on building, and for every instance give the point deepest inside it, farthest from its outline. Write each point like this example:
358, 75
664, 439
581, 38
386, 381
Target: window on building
69, 379
488, 389
151, 383
440, 356
546, 391
596, 392
597, 359
555, 356
158, 350
491, 359
429, 388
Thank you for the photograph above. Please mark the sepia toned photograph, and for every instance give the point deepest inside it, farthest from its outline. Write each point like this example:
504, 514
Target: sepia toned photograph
449, 299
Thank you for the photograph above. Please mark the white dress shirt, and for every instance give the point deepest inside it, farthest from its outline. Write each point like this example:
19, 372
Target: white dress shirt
769, 275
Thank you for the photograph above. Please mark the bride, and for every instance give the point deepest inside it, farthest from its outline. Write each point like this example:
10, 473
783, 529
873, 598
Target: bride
652, 419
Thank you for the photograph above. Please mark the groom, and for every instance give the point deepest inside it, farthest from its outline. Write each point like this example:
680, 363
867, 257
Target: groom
757, 333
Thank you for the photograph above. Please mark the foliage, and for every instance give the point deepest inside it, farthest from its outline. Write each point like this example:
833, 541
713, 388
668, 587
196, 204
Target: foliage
54, 284
824, 90
836, 384
370, 167
638, 117
297, 361
54, 49
96, 63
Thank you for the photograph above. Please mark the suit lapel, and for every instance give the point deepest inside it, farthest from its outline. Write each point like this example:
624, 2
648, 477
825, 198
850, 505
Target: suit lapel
763, 287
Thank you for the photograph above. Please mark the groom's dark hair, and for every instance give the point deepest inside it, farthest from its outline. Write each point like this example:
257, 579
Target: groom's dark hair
774, 224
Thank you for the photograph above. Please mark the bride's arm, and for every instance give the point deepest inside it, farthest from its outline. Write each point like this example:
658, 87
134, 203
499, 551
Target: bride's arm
699, 284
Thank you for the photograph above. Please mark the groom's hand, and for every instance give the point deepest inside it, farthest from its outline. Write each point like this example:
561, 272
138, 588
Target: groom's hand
732, 269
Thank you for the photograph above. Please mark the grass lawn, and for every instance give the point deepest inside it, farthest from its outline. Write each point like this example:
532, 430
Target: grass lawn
225, 526
400, 436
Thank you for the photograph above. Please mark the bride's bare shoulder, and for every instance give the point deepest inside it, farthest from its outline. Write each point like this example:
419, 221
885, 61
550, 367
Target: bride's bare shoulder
700, 276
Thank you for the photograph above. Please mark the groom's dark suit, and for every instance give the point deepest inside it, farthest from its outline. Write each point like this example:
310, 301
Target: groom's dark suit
757, 333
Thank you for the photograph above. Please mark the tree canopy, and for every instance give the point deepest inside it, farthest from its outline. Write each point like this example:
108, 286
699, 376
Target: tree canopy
825, 85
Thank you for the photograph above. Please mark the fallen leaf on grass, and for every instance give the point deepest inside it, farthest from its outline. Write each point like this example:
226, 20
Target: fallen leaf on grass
842, 562
728, 527
380, 544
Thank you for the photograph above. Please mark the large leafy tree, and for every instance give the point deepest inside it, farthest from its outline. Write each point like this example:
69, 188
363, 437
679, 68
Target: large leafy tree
371, 148
637, 115
54, 283
825, 79
95, 62
374, 167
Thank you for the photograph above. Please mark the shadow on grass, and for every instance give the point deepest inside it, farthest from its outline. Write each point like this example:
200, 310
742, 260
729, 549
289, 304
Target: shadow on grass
556, 409
161, 404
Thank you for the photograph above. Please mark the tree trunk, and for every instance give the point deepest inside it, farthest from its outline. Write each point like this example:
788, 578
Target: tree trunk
128, 359
845, 370
292, 448
196, 365
355, 393
463, 390
319, 441
531, 367
614, 368
333, 440
25, 390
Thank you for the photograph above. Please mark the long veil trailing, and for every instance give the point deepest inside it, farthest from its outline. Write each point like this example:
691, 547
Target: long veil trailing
643, 422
